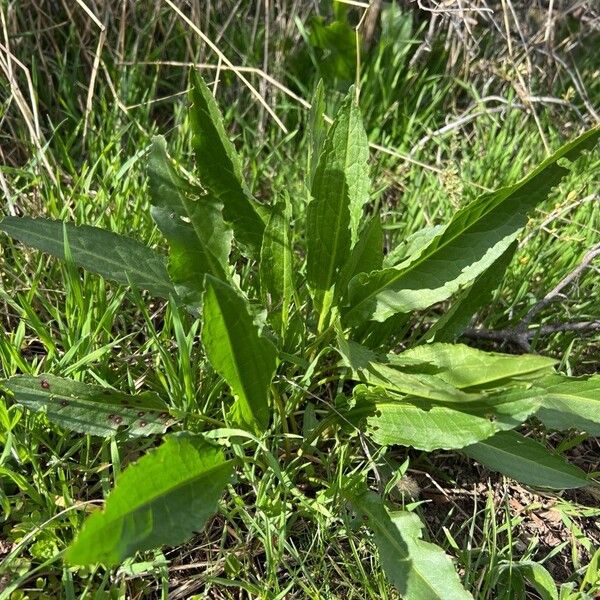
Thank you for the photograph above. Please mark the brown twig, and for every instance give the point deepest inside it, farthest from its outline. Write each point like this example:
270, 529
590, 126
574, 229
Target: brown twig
522, 334
556, 292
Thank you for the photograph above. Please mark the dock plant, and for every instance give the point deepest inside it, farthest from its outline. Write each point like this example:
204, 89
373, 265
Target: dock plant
306, 321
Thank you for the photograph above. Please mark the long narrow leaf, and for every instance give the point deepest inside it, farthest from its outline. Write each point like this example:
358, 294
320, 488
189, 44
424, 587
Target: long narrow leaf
199, 239
429, 426
89, 408
475, 238
470, 368
365, 256
527, 461
276, 258
108, 254
571, 403
418, 569
219, 169
316, 130
470, 301
339, 192
236, 350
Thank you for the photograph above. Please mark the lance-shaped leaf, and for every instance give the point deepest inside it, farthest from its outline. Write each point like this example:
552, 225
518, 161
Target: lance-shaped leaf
316, 130
161, 500
534, 573
192, 222
527, 461
219, 170
452, 324
418, 569
339, 191
89, 408
443, 373
108, 254
571, 403
417, 385
475, 238
424, 425
365, 256
468, 368
276, 262
236, 350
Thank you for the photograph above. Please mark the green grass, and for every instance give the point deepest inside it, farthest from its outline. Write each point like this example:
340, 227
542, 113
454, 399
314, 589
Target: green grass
58, 319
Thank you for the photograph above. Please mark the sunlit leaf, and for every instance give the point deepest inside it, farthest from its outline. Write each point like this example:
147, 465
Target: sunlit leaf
477, 236
470, 300
219, 169
418, 569
426, 425
317, 130
161, 500
470, 368
339, 191
245, 359
571, 403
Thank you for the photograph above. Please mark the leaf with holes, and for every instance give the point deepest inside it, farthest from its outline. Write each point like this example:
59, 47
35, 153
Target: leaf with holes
161, 500
89, 408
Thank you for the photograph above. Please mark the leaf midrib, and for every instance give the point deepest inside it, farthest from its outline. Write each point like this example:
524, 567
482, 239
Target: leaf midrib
508, 190
339, 203
82, 250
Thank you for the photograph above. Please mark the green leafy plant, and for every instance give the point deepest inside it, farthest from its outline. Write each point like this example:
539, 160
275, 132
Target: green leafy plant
298, 304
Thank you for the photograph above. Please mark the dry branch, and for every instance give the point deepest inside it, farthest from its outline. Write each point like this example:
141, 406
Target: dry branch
522, 334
